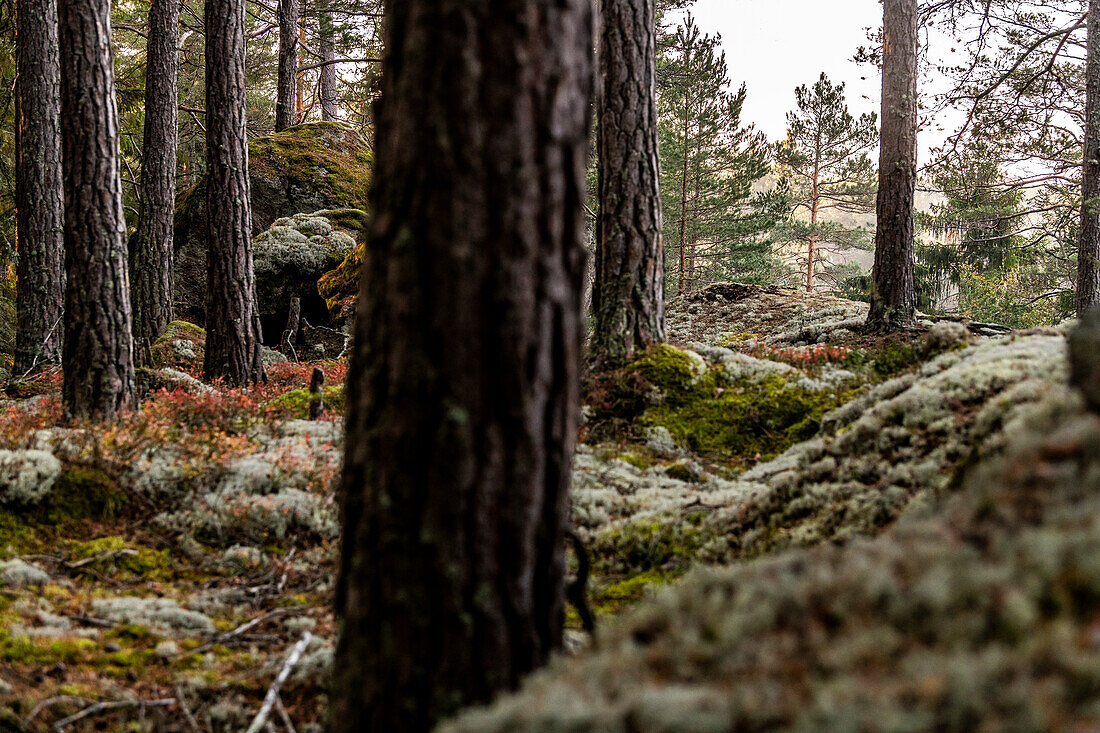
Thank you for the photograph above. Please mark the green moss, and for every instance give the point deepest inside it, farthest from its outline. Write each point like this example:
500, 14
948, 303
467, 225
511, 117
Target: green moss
119, 558
666, 368
354, 220
182, 330
621, 594
751, 421
894, 358
84, 493
643, 546
295, 403
327, 157
130, 632
16, 536
24, 650
681, 472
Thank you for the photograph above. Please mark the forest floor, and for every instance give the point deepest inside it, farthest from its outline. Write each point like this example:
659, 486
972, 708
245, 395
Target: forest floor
156, 574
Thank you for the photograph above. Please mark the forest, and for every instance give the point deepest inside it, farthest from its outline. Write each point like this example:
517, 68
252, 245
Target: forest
482, 366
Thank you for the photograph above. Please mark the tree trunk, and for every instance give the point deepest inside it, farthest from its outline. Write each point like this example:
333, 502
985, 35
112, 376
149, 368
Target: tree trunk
629, 291
39, 200
684, 203
232, 322
463, 390
98, 351
151, 283
288, 65
815, 203
330, 111
893, 300
1088, 252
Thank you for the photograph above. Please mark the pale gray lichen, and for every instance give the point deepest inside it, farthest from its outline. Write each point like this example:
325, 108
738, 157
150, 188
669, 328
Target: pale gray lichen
17, 573
162, 615
979, 616
27, 476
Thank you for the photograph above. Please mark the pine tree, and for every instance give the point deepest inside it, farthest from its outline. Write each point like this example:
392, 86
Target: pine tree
97, 357
287, 82
628, 292
151, 254
463, 388
713, 221
233, 344
1088, 251
893, 296
825, 159
38, 188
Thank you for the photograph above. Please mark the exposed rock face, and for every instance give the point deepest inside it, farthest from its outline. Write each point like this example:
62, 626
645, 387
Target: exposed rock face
320, 165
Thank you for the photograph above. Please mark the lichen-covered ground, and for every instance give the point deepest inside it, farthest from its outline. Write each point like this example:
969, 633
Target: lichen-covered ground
177, 556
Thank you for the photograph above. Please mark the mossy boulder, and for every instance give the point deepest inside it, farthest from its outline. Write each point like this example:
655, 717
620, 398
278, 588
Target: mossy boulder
340, 287
309, 167
181, 346
289, 258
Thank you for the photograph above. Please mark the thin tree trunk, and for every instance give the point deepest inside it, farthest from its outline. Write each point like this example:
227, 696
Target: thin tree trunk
628, 294
463, 389
330, 111
684, 204
151, 281
814, 204
232, 321
39, 201
1088, 252
98, 349
893, 300
288, 65
300, 87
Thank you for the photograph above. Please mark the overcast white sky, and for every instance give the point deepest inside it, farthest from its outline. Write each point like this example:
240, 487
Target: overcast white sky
776, 45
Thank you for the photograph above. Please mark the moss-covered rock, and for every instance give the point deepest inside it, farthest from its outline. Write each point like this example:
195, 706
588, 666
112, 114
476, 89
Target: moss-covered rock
295, 403
289, 258
181, 346
309, 167
980, 615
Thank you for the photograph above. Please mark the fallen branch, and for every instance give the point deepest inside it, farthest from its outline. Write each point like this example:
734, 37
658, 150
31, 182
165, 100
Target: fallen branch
101, 707
273, 691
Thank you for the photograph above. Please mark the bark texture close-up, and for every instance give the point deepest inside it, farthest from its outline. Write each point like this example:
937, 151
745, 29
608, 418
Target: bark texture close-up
39, 197
151, 255
628, 293
97, 355
893, 298
463, 389
233, 342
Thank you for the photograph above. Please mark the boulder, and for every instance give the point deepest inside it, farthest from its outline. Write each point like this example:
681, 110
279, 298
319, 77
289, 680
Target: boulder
181, 346
289, 258
309, 167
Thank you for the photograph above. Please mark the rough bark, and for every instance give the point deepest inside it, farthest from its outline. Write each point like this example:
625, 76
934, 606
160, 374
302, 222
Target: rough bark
151, 258
97, 356
1088, 252
330, 111
232, 322
463, 389
286, 90
893, 299
628, 294
39, 200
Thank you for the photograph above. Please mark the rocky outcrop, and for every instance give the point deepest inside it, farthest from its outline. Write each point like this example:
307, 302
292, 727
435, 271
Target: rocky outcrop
309, 167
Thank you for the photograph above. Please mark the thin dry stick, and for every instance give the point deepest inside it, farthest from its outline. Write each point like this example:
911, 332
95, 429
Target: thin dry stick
273, 691
186, 710
49, 702
100, 707
284, 715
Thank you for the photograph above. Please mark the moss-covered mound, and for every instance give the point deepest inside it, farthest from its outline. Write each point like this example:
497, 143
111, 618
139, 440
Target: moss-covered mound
309, 167
898, 446
181, 346
980, 616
